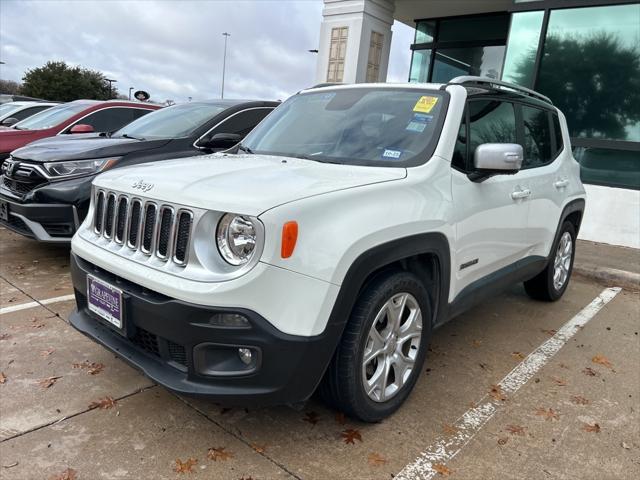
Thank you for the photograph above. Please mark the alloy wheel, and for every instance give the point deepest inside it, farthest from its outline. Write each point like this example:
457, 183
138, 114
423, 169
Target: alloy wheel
562, 261
392, 347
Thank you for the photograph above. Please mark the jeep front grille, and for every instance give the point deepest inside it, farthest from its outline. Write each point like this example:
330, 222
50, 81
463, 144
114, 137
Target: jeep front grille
143, 225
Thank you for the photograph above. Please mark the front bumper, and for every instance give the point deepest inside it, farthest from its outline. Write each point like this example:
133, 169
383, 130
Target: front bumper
162, 334
54, 223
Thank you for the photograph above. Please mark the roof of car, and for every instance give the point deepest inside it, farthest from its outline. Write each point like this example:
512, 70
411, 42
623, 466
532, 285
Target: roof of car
29, 104
232, 102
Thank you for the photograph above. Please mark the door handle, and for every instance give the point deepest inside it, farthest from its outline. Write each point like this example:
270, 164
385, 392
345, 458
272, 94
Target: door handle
518, 194
561, 183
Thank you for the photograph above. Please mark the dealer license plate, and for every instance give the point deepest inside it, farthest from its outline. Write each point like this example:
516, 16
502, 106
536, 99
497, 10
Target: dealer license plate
4, 211
105, 301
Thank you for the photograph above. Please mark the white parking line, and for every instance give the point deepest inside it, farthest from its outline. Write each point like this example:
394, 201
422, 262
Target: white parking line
469, 424
24, 306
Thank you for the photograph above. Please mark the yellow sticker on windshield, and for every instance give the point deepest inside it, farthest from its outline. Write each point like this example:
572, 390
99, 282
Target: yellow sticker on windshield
425, 104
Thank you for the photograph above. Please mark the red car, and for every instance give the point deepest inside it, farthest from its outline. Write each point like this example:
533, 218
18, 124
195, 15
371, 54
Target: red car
80, 116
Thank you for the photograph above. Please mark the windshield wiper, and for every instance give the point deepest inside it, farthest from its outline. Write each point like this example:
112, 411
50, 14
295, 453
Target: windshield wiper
132, 137
244, 148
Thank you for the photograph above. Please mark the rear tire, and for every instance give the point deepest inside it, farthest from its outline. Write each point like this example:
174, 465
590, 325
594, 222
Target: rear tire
382, 349
550, 284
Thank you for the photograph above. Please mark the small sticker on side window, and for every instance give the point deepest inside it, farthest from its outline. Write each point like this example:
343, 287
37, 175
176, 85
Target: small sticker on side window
425, 104
394, 154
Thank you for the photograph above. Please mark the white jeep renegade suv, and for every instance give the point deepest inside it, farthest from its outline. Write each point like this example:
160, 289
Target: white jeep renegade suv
324, 250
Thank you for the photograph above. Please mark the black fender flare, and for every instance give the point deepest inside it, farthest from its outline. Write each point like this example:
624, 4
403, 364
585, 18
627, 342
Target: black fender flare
577, 205
376, 258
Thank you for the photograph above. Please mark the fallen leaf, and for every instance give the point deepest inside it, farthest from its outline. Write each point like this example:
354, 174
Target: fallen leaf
476, 343
515, 430
595, 428
496, 393
602, 360
579, 400
103, 403
517, 355
259, 448
37, 325
186, 466
376, 459
549, 332
503, 440
441, 469
350, 435
48, 382
47, 352
449, 429
341, 418
559, 381
219, 453
548, 414
3, 378
625, 445
590, 372
92, 368
68, 474
311, 417
5, 336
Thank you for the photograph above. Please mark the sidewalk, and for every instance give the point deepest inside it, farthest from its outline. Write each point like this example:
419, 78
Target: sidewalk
608, 263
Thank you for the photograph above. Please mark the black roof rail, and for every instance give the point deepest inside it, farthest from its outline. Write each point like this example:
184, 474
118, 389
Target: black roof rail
493, 83
326, 84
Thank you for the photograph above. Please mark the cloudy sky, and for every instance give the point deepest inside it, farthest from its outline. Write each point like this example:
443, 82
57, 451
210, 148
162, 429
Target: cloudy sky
174, 49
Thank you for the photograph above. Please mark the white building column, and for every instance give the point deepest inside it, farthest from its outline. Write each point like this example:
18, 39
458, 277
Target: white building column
355, 39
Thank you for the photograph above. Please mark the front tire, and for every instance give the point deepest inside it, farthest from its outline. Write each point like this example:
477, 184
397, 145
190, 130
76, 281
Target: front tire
550, 284
382, 349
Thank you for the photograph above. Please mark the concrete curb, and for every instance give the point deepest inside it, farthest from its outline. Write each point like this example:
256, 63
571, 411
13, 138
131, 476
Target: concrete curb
609, 276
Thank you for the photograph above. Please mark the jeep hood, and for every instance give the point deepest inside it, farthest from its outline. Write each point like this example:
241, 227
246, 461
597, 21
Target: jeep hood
245, 184
69, 148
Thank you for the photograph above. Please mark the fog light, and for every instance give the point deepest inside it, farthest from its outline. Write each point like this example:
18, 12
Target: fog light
245, 355
229, 320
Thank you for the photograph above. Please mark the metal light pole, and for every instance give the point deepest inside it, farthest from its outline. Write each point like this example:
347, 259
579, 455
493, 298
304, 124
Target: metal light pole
224, 60
130, 88
110, 89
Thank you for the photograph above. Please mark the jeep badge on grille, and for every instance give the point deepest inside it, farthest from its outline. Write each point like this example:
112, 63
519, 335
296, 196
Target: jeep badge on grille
142, 185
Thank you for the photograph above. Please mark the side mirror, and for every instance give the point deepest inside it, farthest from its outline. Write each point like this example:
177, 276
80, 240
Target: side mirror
7, 122
81, 128
495, 159
220, 141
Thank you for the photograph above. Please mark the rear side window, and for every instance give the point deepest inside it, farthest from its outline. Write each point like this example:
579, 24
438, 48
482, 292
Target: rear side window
537, 137
27, 112
559, 144
490, 121
243, 122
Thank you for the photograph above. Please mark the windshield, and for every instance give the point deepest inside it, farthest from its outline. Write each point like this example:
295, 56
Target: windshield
357, 126
51, 117
8, 108
171, 122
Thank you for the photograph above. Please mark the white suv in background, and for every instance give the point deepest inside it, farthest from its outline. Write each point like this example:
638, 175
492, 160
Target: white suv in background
324, 249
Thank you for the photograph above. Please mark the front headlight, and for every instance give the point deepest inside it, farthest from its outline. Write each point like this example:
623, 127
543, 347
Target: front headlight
236, 238
79, 167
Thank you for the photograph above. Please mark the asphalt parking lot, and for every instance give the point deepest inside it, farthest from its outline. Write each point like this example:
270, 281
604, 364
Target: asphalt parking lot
484, 408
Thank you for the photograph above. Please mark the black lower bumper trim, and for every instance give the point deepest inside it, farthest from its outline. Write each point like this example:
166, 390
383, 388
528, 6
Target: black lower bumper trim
44, 222
289, 370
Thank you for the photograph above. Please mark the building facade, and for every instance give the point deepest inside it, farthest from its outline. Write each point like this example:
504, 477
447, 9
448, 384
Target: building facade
583, 54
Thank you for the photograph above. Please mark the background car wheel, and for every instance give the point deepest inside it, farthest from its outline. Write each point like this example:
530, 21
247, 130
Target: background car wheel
550, 284
382, 349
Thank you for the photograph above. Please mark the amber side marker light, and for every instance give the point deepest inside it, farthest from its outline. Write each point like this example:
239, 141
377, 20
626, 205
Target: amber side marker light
289, 239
